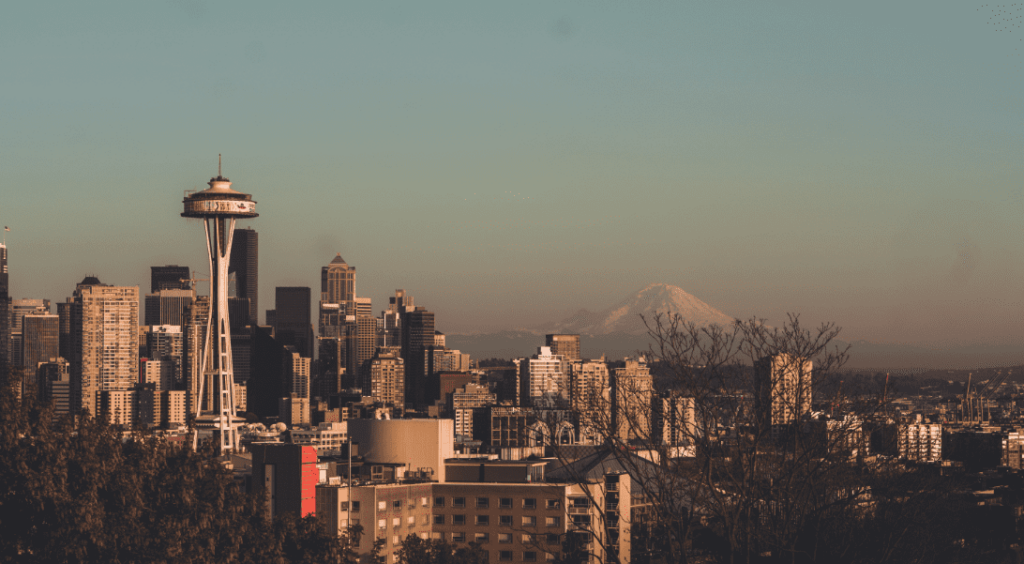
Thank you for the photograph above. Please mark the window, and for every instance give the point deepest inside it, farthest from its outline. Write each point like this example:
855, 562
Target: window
483, 520
411, 520
505, 502
552, 539
438, 502
458, 537
552, 521
579, 502
423, 502
439, 519
483, 537
382, 506
528, 539
343, 506
423, 536
552, 504
458, 502
505, 538
395, 540
504, 555
529, 521
397, 504
425, 520
505, 520
530, 503
458, 519
396, 522
382, 524
355, 507
581, 520
529, 556
482, 502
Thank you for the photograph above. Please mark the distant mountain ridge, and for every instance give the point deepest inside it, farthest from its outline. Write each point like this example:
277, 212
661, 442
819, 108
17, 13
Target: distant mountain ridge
625, 316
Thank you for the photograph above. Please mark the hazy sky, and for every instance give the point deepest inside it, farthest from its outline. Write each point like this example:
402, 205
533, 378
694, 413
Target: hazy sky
509, 163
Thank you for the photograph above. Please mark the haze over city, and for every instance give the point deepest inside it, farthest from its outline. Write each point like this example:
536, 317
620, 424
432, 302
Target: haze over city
509, 165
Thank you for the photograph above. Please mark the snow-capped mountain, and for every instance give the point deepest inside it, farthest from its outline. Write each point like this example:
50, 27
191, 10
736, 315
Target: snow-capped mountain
624, 317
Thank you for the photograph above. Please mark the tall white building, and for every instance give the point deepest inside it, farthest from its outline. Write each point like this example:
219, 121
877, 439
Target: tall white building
105, 329
782, 388
542, 379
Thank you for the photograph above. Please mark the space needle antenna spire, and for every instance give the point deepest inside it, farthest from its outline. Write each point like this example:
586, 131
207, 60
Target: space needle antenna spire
218, 206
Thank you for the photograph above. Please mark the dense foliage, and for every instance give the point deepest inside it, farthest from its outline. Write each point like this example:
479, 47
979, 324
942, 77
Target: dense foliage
80, 491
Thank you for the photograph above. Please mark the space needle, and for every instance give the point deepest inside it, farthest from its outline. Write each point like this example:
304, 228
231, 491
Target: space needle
218, 206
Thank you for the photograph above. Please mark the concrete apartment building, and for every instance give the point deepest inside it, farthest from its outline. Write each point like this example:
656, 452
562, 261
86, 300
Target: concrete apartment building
782, 388
503, 506
920, 442
105, 328
543, 379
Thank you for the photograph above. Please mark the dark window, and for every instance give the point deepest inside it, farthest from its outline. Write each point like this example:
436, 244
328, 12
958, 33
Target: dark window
505, 520
505, 555
483, 502
552, 539
438, 502
552, 504
439, 519
397, 504
529, 503
529, 556
505, 502
483, 520
355, 507
458, 519
458, 502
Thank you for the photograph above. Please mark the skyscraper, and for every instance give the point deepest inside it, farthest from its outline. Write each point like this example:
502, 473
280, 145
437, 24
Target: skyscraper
5, 317
105, 330
338, 283
417, 337
244, 264
566, 346
633, 393
40, 340
387, 379
170, 277
167, 307
19, 309
782, 388
292, 318
543, 379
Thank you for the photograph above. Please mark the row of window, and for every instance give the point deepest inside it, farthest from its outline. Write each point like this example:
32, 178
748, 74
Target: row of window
503, 502
481, 520
503, 520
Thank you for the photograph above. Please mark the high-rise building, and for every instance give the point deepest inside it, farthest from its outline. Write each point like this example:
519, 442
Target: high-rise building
566, 346
167, 307
160, 373
170, 277
292, 322
543, 380
417, 337
338, 283
5, 316
19, 309
366, 342
590, 392
632, 396
244, 265
105, 329
193, 341
54, 384
295, 368
387, 379
40, 340
782, 388
64, 328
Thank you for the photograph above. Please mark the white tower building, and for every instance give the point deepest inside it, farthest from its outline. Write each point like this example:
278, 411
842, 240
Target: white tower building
218, 206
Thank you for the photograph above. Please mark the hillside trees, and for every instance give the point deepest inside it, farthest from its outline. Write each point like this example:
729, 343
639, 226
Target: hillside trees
80, 491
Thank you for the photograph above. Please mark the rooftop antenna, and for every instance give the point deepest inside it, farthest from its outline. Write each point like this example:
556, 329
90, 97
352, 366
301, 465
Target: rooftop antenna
218, 165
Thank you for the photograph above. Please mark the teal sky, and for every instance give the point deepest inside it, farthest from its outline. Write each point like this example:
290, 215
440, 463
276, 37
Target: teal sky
509, 163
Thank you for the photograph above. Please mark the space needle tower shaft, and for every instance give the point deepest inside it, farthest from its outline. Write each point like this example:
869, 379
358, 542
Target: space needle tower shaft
218, 206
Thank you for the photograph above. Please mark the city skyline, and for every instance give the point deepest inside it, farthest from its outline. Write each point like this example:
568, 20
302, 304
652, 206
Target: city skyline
766, 159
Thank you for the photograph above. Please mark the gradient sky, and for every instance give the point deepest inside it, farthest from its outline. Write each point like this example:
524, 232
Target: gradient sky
510, 163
